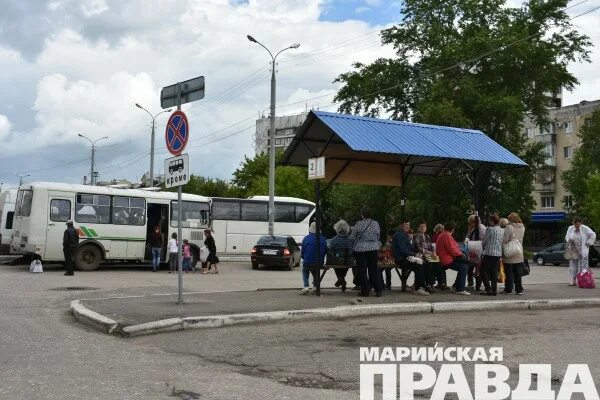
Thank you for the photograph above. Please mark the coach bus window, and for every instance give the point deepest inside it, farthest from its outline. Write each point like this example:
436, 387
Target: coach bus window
254, 211
92, 208
284, 212
129, 211
302, 211
226, 210
194, 214
60, 210
9, 219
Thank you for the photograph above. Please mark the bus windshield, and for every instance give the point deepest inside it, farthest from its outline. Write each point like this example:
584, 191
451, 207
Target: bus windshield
23, 203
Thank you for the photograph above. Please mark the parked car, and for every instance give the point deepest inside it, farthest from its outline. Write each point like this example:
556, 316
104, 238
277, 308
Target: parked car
276, 251
556, 255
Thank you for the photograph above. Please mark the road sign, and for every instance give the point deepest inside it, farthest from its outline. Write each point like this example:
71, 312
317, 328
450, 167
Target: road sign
177, 171
316, 168
177, 132
191, 90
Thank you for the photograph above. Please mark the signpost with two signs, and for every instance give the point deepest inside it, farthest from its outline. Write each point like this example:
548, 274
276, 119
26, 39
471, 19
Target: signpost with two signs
177, 133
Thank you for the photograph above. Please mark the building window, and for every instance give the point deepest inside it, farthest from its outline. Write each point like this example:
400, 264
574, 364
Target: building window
568, 152
548, 129
569, 127
529, 132
547, 201
549, 150
568, 200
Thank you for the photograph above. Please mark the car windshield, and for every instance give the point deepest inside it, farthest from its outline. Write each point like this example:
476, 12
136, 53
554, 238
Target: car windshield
273, 241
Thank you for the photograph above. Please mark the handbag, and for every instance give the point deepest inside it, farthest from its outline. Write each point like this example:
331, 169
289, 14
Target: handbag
525, 268
585, 279
512, 248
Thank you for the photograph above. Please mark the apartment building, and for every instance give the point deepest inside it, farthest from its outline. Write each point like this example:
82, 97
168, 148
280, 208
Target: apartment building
560, 140
285, 128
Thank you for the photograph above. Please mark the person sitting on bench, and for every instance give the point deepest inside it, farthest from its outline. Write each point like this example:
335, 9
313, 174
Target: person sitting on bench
405, 259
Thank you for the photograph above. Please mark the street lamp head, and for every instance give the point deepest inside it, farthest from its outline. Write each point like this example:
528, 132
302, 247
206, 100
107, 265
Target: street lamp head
80, 135
250, 38
295, 46
168, 110
138, 105
104, 137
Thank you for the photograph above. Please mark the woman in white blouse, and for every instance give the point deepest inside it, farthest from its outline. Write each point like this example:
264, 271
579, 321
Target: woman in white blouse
579, 238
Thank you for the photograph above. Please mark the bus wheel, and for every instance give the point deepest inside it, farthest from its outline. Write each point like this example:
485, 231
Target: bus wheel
195, 256
88, 258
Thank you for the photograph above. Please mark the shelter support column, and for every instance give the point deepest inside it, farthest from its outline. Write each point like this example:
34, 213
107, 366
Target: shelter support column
319, 265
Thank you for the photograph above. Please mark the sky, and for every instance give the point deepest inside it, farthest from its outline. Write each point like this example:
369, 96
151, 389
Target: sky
79, 66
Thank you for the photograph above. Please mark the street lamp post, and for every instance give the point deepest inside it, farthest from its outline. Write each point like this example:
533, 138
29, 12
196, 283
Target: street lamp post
93, 142
272, 132
153, 117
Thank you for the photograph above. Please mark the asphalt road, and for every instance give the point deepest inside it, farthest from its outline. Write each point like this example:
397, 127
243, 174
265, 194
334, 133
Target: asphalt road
46, 354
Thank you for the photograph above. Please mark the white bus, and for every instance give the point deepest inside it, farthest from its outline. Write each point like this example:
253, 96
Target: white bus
239, 223
7, 212
113, 224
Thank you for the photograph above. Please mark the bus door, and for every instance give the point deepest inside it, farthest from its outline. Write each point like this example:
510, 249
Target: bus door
60, 210
158, 214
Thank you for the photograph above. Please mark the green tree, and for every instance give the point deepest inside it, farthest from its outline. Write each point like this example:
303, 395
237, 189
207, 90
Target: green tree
475, 64
252, 178
584, 164
591, 205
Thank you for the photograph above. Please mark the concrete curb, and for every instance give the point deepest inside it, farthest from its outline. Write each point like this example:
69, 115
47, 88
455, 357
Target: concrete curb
92, 318
108, 325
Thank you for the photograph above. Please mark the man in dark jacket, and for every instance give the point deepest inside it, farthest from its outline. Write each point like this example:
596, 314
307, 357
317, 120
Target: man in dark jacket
403, 248
70, 241
309, 259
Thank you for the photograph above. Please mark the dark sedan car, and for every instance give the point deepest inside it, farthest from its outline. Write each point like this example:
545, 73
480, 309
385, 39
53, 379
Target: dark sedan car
276, 251
556, 255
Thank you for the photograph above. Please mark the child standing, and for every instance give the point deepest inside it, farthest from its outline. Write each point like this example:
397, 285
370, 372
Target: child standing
187, 256
173, 246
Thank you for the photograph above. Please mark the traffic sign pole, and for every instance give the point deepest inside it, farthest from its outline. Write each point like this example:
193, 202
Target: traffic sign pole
179, 230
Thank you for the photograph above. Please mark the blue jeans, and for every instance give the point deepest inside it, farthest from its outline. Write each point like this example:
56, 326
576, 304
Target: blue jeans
186, 264
156, 257
461, 277
306, 270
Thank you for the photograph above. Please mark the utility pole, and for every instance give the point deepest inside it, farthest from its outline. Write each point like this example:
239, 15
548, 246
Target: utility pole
21, 176
92, 172
153, 118
272, 133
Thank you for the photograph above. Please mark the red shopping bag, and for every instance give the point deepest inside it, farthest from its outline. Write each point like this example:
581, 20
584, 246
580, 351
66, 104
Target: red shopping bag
585, 279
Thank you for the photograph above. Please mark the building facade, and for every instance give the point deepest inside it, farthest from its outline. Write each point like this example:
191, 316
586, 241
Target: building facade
560, 139
285, 128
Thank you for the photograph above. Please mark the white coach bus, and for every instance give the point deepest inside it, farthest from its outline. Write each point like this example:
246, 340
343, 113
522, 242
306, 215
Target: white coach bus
239, 223
7, 212
113, 224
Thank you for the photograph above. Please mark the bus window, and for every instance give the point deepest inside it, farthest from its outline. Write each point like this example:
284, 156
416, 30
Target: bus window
284, 212
92, 209
129, 211
302, 211
9, 219
60, 210
226, 210
194, 215
254, 211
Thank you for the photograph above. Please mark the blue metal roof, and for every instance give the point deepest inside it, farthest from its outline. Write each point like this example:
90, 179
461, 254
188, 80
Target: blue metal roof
366, 134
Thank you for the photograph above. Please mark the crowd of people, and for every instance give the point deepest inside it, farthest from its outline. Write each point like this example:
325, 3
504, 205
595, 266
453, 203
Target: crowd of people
477, 260
209, 265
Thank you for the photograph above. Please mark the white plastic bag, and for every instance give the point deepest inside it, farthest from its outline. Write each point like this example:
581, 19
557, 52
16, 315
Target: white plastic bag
204, 254
36, 267
512, 248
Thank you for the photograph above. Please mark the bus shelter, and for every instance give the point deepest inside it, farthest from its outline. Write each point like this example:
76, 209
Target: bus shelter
363, 150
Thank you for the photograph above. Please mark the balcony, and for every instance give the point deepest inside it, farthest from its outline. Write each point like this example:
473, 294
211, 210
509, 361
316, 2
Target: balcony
546, 138
550, 162
545, 187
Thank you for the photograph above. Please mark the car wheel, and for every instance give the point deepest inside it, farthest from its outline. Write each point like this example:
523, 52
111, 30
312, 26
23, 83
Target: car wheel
254, 265
556, 264
88, 258
539, 261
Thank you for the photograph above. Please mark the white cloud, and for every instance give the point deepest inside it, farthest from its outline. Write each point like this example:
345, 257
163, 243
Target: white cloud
362, 9
374, 3
5, 126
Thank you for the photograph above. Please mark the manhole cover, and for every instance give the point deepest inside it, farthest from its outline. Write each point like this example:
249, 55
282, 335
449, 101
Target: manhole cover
73, 288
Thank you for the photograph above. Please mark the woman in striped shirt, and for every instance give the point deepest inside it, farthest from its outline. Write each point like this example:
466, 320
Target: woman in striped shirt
492, 251
365, 236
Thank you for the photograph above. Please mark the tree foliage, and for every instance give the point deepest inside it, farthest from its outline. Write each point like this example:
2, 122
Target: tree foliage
591, 205
475, 64
584, 165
